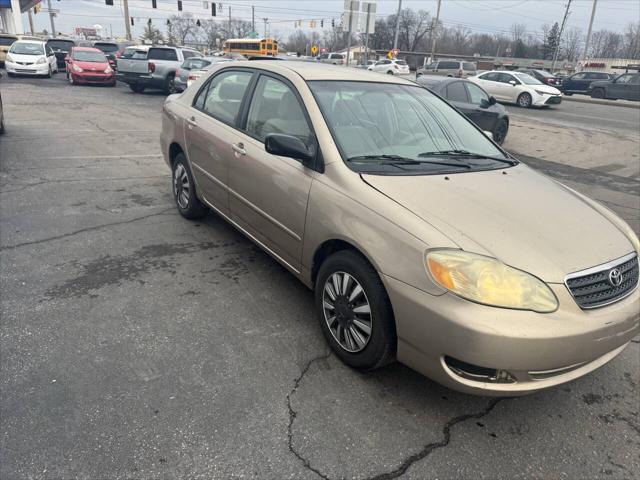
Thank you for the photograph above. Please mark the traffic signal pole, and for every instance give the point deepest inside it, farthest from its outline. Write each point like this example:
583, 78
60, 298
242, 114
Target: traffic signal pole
349, 32
127, 20
53, 27
395, 37
588, 40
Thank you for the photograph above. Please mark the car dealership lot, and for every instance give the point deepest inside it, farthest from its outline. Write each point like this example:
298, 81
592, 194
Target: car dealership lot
136, 344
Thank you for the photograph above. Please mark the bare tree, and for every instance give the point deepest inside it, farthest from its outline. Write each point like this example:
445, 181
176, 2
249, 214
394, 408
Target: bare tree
181, 28
518, 31
571, 43
413, 28
605, 44
297, 42
631, 41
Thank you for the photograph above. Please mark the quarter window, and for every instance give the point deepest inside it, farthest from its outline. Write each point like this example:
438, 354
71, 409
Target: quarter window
492, 77
276, 109
223, 96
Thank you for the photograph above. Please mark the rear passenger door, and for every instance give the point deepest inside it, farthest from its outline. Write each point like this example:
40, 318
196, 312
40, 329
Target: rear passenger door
211, 134
268, 194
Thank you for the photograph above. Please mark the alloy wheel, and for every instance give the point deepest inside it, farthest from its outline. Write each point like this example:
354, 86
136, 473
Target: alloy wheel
524, 100
181, 187
347, 311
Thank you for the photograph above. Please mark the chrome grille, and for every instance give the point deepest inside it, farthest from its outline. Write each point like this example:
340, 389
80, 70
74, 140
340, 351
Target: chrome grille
593, 287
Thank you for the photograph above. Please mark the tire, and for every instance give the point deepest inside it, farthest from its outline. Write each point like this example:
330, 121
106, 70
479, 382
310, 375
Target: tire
500, 132
169, 84
184, 190
70, 78
11, 74
379, 347
1, 125
135, 88
50, 74
568, 94
524, 100
390, 72
598, 93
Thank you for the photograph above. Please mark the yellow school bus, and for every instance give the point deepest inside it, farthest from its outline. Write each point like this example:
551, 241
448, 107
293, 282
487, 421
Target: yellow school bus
251, 46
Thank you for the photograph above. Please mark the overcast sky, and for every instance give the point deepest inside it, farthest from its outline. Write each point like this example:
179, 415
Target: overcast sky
487, 16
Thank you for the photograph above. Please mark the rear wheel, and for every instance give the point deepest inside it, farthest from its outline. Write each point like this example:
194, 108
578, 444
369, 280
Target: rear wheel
524, 100
390, 72
170, 85
500, 132
184, 190
355, 312
136, 88
597, 93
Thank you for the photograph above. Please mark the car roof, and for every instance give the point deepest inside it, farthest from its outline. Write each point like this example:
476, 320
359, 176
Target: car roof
322, 71
39, 42
87, 49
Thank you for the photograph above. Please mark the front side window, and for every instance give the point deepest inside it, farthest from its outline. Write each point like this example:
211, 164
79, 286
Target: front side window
276, 109
506, 77
27, 49
457, 93
624, 78
582, 76
394, 129
224, 95
476, 95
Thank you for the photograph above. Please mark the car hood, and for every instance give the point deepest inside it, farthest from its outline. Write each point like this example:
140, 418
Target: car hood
98, 67
546, 89
25, 58
516, 215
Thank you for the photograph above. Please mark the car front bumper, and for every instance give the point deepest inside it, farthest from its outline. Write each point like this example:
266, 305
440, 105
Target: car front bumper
32, 69
537, 351
93, 77
543, 100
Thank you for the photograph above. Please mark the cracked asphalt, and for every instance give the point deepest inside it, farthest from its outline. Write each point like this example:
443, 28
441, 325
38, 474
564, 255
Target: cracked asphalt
138, 345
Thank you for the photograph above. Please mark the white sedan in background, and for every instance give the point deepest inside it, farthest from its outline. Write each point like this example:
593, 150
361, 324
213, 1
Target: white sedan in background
30, 57
519, 88
392, 67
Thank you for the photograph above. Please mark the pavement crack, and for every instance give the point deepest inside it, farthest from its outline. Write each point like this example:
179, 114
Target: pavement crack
293, 414
431, 447
83, 230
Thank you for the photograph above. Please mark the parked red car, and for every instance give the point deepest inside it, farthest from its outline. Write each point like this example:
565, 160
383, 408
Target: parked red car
89, 65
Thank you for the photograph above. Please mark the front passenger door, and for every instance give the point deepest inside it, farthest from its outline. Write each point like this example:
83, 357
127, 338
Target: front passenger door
268, 194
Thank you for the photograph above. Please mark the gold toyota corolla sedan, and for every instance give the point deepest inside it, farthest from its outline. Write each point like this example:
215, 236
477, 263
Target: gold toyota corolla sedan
423, 240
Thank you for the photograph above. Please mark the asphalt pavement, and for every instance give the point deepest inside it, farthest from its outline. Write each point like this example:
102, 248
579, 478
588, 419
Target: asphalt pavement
136, 344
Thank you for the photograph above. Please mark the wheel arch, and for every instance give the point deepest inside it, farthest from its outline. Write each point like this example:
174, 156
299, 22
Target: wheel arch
174, 150
331, 246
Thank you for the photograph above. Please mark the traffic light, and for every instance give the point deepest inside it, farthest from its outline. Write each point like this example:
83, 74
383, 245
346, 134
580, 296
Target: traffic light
333, 22
198, 24
322, 23
149, 22
154, 4
179, 5
132, 21
168, 22
213, 9
108, 2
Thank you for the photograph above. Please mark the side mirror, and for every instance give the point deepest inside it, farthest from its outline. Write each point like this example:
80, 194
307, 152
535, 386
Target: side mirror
488, 134
513, 82
289, 146
492, 100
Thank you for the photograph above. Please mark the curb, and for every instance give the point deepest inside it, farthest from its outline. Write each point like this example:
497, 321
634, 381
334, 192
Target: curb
595, 101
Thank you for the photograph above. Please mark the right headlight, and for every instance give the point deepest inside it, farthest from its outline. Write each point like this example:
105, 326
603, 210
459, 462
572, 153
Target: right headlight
488, 281
8, 58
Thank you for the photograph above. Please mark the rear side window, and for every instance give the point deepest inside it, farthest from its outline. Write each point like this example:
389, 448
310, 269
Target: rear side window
635, 80
600, 76
457, 93
583, 76
469, 66
275, 109
337, 55
195, 64
448, 65
492, 77
401, 62
189, 54
162, 54
224, 95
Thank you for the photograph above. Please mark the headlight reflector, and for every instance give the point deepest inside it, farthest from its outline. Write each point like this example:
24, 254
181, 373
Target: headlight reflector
540, 92
488, 281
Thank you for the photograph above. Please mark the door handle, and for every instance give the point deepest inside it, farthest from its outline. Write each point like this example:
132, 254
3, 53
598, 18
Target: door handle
238, 148
191, 121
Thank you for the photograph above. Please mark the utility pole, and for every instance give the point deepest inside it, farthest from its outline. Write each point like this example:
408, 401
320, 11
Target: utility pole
253, 18
349, 32
564, 21
265, 20
31, 27
395, 37
53, 27
588, 41
366, 32
127, 20
229, 36
433, 33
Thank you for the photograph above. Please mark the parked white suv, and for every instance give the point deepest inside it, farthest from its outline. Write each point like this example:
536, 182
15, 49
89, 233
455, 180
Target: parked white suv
30, 57
391, 67
333, 58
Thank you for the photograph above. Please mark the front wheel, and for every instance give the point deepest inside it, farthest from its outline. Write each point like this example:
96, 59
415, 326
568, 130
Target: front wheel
49, 74
524, 100
184, 190
390, 72
500, 132
355, 312
597, 93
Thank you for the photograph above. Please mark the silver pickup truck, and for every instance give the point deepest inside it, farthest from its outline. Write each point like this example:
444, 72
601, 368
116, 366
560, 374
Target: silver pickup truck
152, 67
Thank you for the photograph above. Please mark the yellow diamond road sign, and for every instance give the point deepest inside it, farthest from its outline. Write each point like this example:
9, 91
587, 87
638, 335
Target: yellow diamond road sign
314, 49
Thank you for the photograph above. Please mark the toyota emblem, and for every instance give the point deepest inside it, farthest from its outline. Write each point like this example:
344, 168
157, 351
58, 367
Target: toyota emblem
615, 277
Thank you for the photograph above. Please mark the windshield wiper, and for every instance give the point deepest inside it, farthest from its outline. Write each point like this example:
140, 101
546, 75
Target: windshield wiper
467, 154
386, 159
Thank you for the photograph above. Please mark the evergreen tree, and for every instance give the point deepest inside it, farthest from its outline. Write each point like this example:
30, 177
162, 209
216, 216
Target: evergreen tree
152, 33
551, 42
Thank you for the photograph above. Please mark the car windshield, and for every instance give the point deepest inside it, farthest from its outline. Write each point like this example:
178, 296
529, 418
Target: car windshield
63, 45
395, 129
544, 73
20, 48
83, 56
527, 79
107, 47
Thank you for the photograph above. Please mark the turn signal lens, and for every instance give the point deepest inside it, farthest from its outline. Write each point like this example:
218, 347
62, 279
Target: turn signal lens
488, 281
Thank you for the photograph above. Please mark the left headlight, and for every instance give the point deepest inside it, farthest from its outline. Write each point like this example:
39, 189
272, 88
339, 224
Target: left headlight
42, 60
488, 281
8, 58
